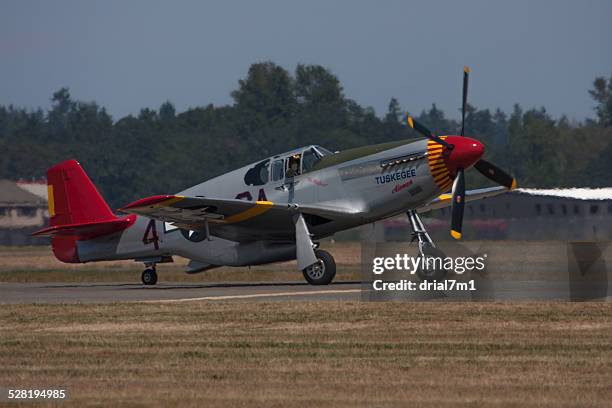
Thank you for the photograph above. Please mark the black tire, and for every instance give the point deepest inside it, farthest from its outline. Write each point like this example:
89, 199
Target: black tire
432, 274
323, 272
149, 277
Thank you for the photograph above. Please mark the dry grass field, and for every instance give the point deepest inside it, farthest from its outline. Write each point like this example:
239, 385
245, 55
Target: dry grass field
37, 264
307, 354
299, 353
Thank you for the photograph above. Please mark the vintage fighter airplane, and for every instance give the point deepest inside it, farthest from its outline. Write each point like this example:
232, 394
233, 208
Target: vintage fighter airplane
275, 209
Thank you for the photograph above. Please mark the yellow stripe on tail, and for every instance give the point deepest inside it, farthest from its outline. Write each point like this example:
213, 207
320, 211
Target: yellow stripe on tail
51, 200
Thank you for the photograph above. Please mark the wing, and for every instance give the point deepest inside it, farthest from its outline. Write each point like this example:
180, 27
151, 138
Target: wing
444, 200
238, 220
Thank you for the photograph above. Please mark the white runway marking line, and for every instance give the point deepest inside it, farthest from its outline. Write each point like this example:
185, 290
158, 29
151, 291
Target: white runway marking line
254, 295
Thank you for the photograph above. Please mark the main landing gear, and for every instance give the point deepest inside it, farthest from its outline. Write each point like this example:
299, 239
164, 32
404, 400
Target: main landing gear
318, 266
427, 249
321, 272
149, 276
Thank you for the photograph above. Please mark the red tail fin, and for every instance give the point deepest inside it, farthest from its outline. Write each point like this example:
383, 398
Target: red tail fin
73, 198
76, 210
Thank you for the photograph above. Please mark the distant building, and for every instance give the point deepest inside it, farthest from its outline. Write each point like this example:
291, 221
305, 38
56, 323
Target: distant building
526, 214
22, 211
38, 187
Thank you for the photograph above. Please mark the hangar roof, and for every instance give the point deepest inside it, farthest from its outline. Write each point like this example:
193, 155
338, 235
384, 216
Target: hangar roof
11, 194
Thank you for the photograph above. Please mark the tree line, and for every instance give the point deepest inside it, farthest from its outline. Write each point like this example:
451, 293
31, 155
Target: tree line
160, 151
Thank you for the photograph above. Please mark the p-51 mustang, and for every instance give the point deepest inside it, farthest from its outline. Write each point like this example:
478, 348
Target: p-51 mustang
273, 210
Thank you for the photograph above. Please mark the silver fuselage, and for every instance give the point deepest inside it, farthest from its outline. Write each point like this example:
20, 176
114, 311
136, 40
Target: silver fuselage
360, 184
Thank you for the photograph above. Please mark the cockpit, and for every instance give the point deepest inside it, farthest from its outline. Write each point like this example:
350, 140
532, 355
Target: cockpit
287, 165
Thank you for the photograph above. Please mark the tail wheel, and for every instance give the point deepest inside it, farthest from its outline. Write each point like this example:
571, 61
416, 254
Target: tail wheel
323, 271
149, 277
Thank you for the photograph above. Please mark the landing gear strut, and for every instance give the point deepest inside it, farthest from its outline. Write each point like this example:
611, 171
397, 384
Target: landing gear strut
149, 276
427, 249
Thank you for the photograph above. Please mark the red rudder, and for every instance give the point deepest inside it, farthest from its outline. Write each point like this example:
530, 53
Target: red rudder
73, 199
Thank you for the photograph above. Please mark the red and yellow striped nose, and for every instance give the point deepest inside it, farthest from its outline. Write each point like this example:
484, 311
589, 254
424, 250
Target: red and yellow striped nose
443, 163
437, 166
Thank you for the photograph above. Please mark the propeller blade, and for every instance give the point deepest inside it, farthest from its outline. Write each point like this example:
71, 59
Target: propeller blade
426, 132
466, 74
458, 204
496, 174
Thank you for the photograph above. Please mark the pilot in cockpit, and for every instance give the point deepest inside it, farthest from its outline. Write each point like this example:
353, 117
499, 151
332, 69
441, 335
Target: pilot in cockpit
294, 166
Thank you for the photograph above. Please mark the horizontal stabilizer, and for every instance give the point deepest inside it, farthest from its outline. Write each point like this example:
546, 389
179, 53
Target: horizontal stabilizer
88, 230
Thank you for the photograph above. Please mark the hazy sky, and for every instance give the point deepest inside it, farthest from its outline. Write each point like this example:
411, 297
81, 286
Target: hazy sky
130, 54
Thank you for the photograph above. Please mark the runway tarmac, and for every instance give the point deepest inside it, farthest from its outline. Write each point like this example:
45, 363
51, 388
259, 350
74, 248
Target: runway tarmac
172, 292
106, 292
